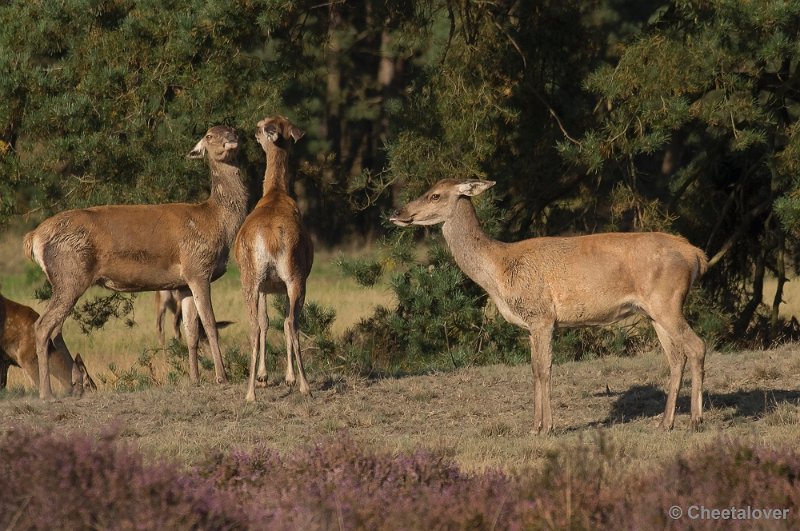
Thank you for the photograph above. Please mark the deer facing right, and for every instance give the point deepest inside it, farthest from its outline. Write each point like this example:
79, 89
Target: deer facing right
18, 348
543, 283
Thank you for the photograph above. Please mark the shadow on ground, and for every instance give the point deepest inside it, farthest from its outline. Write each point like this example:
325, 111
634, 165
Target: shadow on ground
647, 401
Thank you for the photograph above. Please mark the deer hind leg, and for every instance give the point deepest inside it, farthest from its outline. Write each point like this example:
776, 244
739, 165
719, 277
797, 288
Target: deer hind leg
161, 309
251, 297
201, 291
670, 339
296, 292
191, 326
177, 317
48, 326
696, 351
263, 328
541, 338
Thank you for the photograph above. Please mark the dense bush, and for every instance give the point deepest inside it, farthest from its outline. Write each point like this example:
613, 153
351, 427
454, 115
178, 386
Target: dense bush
78, 482
441, 321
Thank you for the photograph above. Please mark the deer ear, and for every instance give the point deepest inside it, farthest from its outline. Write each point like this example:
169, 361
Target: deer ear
474, 187
296, 133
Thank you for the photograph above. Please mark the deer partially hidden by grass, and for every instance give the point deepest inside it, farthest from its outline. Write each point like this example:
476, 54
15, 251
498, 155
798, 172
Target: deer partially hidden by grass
18, 349
275, 253
133, 248
543, 283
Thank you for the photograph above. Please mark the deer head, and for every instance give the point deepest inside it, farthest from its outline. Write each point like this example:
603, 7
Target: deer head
81, 381
277, 130
437, 204
220, 142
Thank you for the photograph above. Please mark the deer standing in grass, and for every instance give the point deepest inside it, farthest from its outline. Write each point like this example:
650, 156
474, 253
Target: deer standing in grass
275, 253
18, 348
133, 248
543, 283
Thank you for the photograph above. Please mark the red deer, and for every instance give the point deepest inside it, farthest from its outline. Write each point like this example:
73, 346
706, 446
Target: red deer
18, 348
275, 253
132, 248
543, 283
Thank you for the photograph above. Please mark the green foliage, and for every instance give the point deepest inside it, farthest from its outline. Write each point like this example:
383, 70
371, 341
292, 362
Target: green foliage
365, 272
316, 338
441, 321
237, 364
93, 314
135, 378
142, 375
699, 116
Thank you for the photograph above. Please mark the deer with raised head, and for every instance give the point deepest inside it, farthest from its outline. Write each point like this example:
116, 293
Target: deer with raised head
275, 253
168, 300
132, 248
18, 349
543, 283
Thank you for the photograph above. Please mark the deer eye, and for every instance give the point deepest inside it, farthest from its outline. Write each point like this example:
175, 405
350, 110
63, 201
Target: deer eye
434, 197
208, 137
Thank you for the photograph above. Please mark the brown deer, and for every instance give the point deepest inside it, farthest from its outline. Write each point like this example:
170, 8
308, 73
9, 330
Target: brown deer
275, 253
133, 248
168, 300
543, 283
18, 348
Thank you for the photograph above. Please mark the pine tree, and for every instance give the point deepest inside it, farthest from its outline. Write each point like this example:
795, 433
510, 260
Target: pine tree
699, 115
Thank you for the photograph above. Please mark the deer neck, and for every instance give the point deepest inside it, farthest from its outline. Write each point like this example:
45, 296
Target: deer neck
276, 175
229, 194
470, 246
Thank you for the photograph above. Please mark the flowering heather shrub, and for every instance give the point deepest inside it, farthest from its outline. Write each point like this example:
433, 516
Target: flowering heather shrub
51, 481
340, 485
728, 474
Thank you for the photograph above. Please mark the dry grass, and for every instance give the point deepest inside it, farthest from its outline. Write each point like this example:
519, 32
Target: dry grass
479, 416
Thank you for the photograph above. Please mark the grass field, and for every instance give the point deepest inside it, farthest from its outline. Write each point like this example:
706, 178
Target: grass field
478, 416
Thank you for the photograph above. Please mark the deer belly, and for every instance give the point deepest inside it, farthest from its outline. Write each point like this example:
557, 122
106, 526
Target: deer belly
584, 313
133, 279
